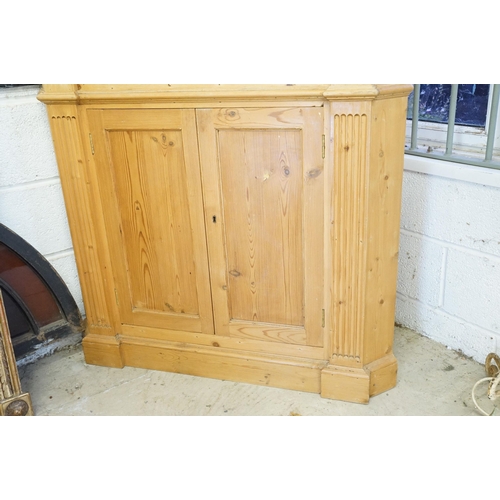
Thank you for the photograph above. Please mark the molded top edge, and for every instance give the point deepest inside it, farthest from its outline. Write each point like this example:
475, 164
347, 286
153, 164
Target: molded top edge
88, 93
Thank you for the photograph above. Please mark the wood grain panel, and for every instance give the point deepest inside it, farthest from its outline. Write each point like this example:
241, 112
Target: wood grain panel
261, 173
239, 343
239, 366
273, 332
149, 173
235, 118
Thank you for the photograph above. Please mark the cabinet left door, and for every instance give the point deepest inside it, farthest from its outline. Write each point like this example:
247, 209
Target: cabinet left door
148, 171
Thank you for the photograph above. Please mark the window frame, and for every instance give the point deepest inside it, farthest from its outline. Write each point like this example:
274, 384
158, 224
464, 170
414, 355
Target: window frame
469, 142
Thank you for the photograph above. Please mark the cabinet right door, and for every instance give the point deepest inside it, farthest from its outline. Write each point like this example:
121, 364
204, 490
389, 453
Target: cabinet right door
263, 185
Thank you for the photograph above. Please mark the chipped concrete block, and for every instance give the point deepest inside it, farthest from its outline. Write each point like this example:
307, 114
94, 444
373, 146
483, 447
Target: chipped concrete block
453, 332
37, 214
459, 212
27, 151
472, 288
420, 268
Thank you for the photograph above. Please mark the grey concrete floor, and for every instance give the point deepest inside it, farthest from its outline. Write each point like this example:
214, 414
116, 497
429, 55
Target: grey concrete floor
432, 380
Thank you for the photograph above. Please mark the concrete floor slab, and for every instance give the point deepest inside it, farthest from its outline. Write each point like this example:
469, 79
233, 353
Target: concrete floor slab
432, 380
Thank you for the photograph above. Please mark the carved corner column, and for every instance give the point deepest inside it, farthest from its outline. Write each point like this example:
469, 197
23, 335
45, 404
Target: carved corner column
366, 154
88, 236
13, 402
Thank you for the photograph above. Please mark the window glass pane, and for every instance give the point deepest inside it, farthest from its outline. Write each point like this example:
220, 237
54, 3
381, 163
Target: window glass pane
434, 106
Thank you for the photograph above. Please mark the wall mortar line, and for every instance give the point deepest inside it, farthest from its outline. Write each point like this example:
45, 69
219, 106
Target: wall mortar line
442, 284
59, 254
448, 315
50, 181
447, 244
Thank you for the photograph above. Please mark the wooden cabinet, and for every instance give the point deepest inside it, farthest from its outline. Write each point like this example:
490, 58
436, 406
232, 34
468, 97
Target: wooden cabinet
238, 232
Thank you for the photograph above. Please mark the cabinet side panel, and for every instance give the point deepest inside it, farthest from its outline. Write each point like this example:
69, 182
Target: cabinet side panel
261, 173
64, 123
386, 174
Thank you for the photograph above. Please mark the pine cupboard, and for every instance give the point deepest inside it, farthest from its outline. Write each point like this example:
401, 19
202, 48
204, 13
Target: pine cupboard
241, 232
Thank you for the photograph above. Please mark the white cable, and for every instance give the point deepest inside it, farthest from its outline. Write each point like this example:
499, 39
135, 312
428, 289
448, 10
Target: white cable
492, 394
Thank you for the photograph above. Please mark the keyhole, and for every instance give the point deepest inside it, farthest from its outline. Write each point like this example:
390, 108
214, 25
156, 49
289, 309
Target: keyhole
214, 219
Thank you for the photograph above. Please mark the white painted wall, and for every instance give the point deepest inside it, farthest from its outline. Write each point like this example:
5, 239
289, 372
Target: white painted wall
449, 258
31, 201
449, 272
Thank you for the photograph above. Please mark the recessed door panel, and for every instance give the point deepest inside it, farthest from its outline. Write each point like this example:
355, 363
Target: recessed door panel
261, 177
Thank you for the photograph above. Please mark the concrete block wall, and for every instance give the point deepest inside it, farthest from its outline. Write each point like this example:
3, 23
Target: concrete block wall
449, 260
31, 200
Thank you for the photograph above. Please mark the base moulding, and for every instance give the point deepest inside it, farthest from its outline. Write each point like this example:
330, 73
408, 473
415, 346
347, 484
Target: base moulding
309, 375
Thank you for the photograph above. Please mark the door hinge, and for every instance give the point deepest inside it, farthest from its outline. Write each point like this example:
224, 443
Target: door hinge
116, 297
322, 316
323, 147
92, 144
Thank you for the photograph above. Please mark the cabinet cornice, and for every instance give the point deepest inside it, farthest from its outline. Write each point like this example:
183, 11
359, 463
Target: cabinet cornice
158, 93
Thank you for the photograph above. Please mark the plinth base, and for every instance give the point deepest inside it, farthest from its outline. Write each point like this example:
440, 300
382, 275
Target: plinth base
358, 384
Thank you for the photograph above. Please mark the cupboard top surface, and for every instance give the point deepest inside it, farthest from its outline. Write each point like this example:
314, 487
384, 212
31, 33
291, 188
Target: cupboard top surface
110, 93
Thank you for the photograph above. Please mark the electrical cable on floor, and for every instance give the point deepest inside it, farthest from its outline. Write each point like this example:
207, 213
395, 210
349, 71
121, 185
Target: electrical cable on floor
493, 379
